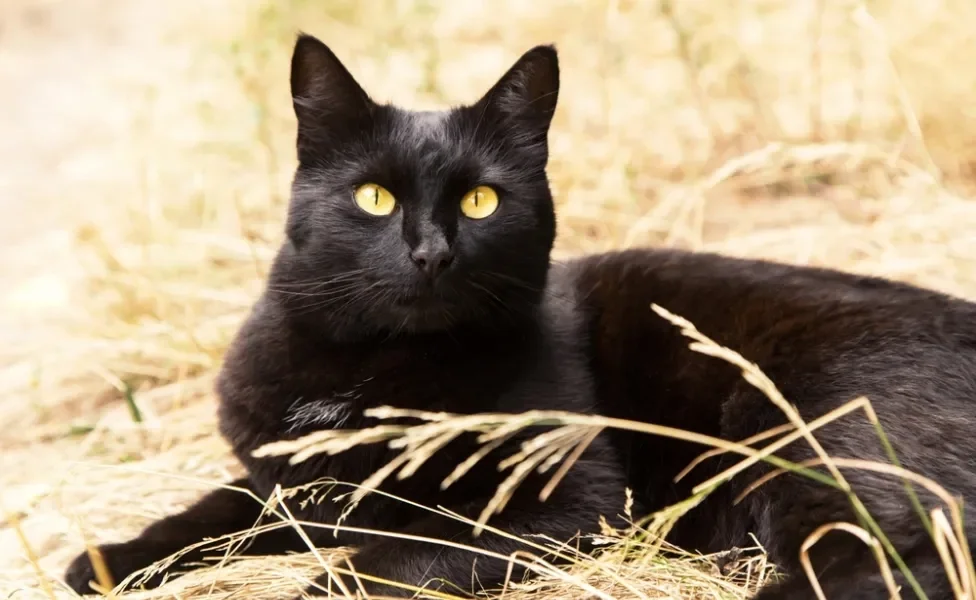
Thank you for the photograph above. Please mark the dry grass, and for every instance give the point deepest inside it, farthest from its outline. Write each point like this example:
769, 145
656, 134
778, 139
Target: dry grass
830, 133
564, 444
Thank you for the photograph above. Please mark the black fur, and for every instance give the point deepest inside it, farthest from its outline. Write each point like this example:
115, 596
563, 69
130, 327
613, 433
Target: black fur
347, 318
824, 338
350, 321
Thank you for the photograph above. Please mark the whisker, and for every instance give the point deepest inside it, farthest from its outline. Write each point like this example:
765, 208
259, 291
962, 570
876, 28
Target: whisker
507, 310
546, 291
315, 282
328, 292
324, 300
358, 296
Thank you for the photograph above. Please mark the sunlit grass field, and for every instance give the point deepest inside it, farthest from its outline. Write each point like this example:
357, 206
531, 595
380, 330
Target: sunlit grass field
824, 132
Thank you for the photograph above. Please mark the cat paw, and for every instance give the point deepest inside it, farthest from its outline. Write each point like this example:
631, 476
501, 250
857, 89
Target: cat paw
79, 573
122, 560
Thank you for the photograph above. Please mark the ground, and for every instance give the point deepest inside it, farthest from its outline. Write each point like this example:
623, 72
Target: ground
145, 161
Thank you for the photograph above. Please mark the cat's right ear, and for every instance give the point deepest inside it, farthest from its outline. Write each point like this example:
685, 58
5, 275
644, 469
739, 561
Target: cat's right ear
324, 94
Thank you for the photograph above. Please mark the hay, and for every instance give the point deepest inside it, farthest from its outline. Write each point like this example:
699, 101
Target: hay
813, 133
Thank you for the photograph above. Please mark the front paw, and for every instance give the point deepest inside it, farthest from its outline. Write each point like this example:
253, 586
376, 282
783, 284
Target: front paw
122, 560
79, 573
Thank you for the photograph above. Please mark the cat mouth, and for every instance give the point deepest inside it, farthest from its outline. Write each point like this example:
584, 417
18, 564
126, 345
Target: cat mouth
423, 294
421, 304
419, 307
419, 313
418, 301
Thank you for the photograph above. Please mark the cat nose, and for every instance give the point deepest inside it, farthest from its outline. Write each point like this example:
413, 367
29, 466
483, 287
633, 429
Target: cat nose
432, 259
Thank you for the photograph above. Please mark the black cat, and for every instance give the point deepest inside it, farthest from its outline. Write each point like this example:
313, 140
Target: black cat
434, 291
824, 338
414, 274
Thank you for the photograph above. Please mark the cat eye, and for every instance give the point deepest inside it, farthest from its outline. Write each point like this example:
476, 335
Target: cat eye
375, 199
479, 203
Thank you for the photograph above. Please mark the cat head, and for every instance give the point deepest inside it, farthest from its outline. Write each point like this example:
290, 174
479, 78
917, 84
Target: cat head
414, 221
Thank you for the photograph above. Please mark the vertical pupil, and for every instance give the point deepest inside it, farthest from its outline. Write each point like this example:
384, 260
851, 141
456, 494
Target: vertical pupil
376, 196
477, 198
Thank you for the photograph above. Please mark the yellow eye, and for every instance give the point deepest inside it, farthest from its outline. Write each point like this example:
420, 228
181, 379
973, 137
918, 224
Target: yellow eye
375, 199
479, 203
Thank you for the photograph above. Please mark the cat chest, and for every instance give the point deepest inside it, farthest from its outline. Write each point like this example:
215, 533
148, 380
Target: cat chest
343, 406
331, 409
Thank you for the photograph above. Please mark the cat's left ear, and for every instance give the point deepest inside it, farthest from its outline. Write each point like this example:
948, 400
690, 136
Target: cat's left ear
527, 92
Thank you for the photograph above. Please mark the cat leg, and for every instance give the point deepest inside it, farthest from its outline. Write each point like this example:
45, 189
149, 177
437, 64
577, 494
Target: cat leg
788, 508
846, 568
221, 512
459, 571
863, 581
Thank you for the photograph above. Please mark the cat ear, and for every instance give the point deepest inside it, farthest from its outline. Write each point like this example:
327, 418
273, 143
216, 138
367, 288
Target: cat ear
324, 94
528, 91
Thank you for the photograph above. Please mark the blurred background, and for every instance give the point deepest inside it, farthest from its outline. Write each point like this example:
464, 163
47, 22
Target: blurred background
146, 150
